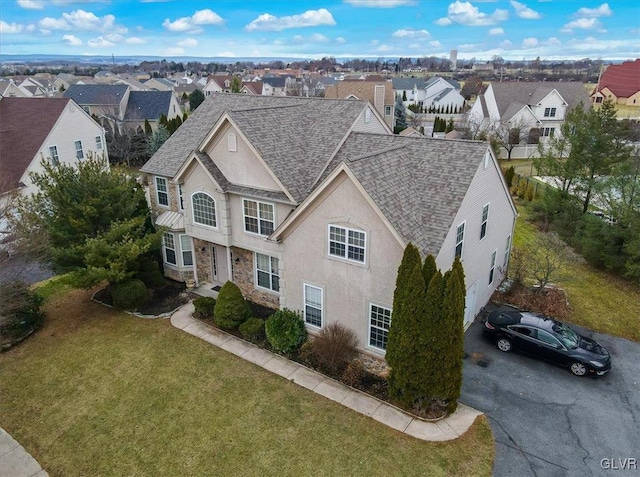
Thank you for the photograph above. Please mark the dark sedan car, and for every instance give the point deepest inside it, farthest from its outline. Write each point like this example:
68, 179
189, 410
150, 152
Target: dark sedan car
548, 339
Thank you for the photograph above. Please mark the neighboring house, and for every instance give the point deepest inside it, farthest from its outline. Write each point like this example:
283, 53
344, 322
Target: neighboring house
150, 105
274, 86
309, 203
160, 84
64, 80
106, 102
410, 132
134, 85
252, 87
436, 92
537, 109
38, 89
378, 93
218, 84
620, 84
8, 89
37, 129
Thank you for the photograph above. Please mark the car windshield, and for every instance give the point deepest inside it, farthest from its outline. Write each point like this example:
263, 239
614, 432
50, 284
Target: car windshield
566, 335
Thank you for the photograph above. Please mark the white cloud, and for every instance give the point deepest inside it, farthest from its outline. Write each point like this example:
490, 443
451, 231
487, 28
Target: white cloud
100, 42
298, 38
582, 24
72, 40
83, 21
525, 12
267, 22
31, 4
341, 40
505, 44
318, 38
384, 48
464, 13
200, 17
529, 42
227, 54
496, 31
380, 3
7, 28
553, 41
134, 40
602, 11
188, 42
435, 44
411, 33
174, 51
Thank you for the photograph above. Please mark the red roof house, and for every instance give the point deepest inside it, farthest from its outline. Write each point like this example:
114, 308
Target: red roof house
619, 83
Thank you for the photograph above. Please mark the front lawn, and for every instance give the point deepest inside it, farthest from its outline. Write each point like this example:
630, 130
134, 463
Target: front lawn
97, 392
600, 301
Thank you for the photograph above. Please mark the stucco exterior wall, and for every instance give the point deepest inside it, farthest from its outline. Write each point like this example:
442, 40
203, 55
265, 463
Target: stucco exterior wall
348, 287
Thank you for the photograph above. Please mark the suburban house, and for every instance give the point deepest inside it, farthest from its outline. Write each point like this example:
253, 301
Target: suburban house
160, 84
104, 101
535, 109
620, 84
373, 89
37, 129
149, 106
218, 84
308, 203
433, 93
274, 85
8, 89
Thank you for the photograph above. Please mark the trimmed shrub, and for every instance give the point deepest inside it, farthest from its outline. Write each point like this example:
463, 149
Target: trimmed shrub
285, 330
253, 330
130, 294
353, 375
508, 176
231, 308
334, 348
204, 306
20, 313
150, 274
307, 354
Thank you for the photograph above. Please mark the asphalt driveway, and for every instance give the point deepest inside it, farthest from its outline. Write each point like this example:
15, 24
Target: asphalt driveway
547, 422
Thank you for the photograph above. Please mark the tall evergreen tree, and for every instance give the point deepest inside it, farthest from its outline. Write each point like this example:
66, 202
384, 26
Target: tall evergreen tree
400, 113
429, 268
431, 339
408, 311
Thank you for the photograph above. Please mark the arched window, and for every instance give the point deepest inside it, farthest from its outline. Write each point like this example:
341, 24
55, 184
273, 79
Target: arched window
204, 209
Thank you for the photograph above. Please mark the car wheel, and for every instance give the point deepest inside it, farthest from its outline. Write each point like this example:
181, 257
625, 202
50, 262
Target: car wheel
578, 368
505, 345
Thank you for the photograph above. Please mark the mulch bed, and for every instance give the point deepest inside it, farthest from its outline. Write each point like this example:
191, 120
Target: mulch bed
163, 299
550, 301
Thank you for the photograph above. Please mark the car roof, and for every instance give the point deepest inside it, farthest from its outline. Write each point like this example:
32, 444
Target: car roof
507, 317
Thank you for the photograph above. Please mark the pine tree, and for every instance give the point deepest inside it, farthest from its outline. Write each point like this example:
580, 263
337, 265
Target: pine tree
147, 127
453, 333
429, 269
432, 340
408, 312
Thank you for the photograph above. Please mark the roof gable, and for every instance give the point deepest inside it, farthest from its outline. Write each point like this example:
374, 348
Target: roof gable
623, 80
96, 94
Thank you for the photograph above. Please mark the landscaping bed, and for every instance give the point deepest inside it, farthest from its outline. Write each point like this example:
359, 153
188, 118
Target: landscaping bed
162, 300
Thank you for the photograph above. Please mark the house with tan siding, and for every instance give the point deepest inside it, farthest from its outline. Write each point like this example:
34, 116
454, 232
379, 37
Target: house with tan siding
373, 89
308, 203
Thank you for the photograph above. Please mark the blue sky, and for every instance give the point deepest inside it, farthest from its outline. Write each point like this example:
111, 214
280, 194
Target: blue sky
550, 29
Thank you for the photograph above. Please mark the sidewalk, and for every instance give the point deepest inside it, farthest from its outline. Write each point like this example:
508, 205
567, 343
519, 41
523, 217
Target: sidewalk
15, 461
446, 429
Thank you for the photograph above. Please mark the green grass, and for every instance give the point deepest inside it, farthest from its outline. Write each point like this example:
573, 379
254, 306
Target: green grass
524, 167
599, 300
97, 392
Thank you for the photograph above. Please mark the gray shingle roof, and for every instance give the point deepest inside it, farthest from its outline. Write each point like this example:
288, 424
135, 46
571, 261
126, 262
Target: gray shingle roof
532, 93
418, 183
294, 136
94, 94
147, 105
408, 83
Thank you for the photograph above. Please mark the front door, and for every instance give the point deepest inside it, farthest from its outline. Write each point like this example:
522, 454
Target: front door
470, 304
214, 263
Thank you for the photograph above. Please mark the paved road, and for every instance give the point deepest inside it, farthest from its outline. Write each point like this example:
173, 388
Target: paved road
547, 422
18, 268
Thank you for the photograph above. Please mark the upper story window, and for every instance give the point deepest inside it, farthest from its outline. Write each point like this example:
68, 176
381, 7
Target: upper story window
485, 219
204, 209
99, 143
313, 305
379, 324
492, 269
267, 272
549, 112
459, 239
169, 246
162, 192
347, 243
259, 217
79, 151
387, 110
53, 153
232, 142
367, 115
180, 197
507, 251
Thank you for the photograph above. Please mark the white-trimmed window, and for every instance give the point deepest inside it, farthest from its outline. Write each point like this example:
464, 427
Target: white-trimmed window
162, 192
79, 151
180, 197
548, 132
507, 251
187, 250
232, 142
169, 245
313, 305
387, 110
259, 217
99, 143
347, 243
379, 324
493, 266
485, 219
367, 115
459, 239
53, 153
549, 112
267, 272
204, 209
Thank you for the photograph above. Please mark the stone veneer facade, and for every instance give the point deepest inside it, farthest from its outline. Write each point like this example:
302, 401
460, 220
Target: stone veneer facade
243, 276
202, 259
153, 197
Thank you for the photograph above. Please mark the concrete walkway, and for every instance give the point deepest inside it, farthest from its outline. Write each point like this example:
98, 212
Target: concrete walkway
446, 429
15, 461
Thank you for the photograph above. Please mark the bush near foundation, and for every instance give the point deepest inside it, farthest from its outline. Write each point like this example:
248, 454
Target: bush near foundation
285, 330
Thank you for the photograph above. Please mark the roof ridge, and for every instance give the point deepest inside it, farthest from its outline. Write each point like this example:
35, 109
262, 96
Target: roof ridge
377, 153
